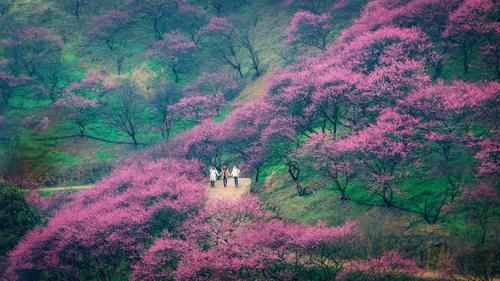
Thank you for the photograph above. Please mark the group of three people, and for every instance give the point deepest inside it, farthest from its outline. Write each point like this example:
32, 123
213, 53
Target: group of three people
214, 173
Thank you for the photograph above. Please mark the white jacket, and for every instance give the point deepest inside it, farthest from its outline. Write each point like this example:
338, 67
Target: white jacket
214, 174
235, 172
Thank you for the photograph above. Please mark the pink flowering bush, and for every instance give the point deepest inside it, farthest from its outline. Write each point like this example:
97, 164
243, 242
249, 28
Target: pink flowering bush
240, 240
309, 29
386, 267
91, 235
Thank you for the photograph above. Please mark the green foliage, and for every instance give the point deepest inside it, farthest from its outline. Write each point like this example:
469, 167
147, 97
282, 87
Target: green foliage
16, 217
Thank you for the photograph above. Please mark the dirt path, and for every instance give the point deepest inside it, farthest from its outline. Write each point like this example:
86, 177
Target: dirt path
229, 193
63, 188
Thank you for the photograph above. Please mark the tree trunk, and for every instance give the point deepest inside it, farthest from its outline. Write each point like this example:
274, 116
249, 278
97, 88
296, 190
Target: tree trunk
77, 9
157, 31
466, 58
176, 75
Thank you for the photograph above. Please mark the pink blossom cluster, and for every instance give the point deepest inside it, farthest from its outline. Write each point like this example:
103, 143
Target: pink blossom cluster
236, 239
108, 223
198, 107
306, 20
75, 102
217, 25
211, 83
389, 264
105, 26
37, 35
472, 17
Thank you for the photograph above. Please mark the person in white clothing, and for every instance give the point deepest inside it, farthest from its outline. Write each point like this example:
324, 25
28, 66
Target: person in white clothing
213, 176
235, 173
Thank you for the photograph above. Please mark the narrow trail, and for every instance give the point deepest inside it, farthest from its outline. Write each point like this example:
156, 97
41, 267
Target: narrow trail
214, 194
229, 193
65, 188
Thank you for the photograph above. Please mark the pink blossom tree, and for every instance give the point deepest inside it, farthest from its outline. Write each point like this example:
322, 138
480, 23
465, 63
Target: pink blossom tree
389, 265
159, 13
309, 29
108, 226
337, 167
203, 142
8, 84
220, 32
106, 27
5, 6
222, 5
125, 110
164, 97
75, 7
212, 84
488, 156
197, 107
175, 49
79, 109
469, 24
244, 127
32, 49
376, 152
37, 52
481, 198
318, 6
383, 47
240, 240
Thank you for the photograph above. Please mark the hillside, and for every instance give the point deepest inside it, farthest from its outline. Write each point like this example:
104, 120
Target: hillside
366, 133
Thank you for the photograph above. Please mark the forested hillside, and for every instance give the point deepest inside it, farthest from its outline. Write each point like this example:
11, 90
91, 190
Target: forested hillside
369, 130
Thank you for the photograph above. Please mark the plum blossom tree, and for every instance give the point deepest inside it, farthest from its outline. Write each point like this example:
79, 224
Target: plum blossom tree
8, 84
243, 134
159, 13
79, 109
488, 156
477, 260
75, 7
212, 84
176, 50
221, 33
378, 150
222, 5
336, 167
202, 143
248, 43
198, 107
164, 97
383, 47
32, 48
245, 242
126, 109
317, 6
309, 29
482, 198
106, 27
390, 265
100, 230
5, 6
469, 24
